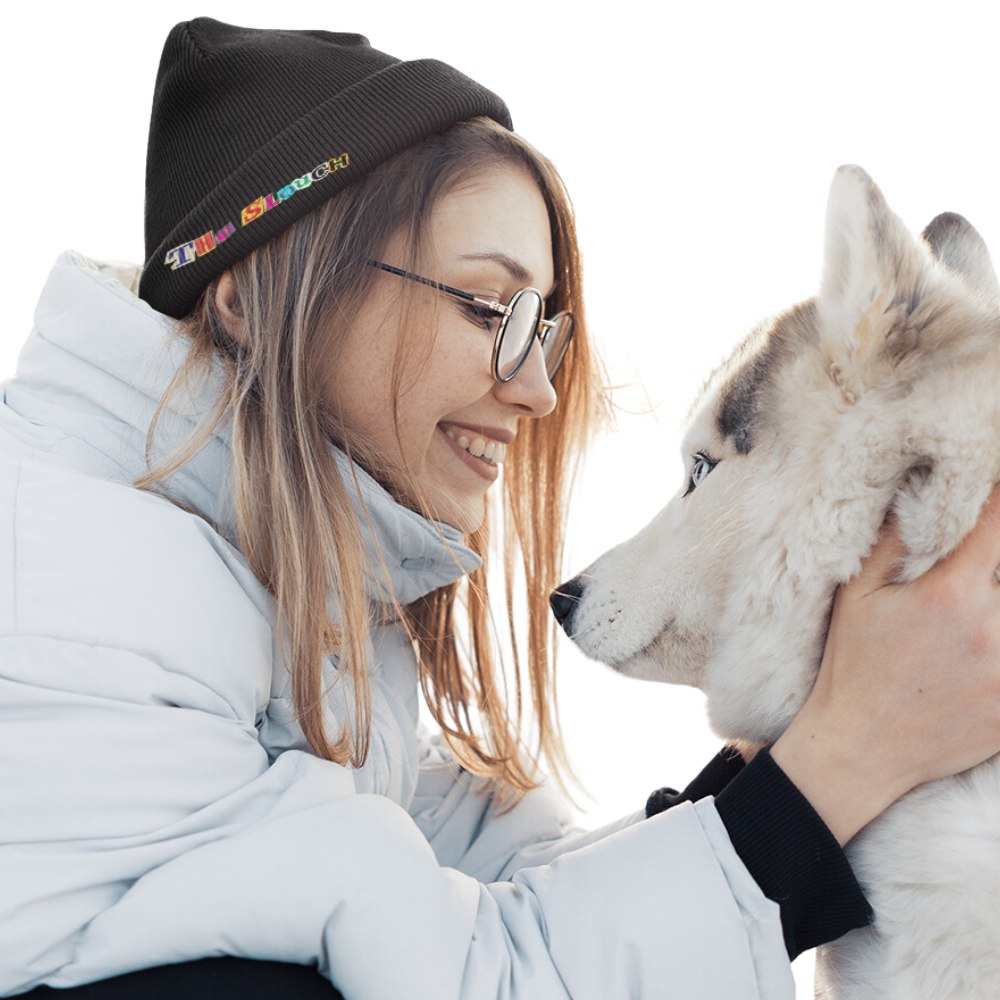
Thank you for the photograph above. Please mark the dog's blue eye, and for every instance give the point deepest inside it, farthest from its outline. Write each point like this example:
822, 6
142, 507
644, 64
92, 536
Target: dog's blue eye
703, 465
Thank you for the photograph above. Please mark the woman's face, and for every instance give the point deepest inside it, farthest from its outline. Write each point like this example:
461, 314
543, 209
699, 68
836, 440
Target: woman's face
489, 237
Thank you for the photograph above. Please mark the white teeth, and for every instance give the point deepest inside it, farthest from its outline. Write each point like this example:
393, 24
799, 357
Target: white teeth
491, 451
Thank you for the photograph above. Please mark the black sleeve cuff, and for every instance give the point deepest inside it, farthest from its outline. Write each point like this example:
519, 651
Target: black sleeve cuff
792, 856
784, 844
719, 771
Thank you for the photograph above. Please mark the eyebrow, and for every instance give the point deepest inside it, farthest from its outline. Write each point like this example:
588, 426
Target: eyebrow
513, 267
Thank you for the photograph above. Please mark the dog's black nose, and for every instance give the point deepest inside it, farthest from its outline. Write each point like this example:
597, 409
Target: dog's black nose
565, 600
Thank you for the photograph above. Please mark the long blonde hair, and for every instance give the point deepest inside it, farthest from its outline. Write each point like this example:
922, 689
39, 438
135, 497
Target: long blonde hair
295, 520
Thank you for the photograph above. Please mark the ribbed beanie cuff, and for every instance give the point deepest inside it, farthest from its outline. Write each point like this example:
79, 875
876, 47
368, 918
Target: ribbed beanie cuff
252, 129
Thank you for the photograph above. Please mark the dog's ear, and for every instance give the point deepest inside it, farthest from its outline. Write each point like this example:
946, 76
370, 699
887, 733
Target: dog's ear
885, 309
955, 242
863, 241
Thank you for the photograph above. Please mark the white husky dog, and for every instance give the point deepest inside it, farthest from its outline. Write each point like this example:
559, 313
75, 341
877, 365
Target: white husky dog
882, 392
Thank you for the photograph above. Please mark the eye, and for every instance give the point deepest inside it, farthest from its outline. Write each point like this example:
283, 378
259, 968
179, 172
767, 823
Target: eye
703, 465
483, 317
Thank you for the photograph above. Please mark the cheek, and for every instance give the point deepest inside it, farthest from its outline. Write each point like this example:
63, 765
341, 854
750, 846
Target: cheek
402, 428
444, 370
358, 378
454, 377
363, 401
418, 413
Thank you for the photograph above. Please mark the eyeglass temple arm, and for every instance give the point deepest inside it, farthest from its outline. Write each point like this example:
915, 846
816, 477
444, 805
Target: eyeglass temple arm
468, 296
424, 281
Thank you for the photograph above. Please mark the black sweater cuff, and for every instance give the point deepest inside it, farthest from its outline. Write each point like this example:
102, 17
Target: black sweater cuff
716, 774
792, 856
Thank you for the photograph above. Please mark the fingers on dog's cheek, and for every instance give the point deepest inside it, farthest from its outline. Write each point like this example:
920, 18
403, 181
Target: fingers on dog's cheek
990, 516
980, 551
889, 544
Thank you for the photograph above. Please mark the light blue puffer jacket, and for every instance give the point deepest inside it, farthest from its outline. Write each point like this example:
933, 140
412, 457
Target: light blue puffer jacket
158, 802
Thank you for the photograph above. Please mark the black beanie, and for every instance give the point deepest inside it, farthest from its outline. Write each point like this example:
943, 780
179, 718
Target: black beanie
253, 129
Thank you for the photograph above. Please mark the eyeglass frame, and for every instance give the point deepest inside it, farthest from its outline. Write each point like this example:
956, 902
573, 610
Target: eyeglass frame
541, 329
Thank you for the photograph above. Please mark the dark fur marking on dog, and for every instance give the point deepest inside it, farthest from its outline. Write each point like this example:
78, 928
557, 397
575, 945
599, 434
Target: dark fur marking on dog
739, 406
911, 300
904, 334
944, 233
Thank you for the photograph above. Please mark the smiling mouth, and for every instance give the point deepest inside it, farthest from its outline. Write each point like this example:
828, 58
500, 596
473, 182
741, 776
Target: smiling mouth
464, 448
484, 448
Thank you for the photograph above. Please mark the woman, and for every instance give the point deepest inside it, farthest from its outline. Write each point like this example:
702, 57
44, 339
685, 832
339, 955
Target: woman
210, 683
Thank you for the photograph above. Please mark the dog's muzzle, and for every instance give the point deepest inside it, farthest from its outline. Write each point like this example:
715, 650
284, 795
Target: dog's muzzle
565, 600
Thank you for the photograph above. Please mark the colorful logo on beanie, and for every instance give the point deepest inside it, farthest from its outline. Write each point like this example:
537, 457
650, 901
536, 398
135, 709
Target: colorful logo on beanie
188, 253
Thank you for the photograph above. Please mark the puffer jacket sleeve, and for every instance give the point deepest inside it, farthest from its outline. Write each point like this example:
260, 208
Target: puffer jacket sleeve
469, 829
143, 822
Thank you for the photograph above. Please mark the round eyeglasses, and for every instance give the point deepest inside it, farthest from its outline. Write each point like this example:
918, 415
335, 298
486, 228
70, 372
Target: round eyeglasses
520, 323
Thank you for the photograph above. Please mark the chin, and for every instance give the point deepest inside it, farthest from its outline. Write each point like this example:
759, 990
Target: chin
465, 519
465, 513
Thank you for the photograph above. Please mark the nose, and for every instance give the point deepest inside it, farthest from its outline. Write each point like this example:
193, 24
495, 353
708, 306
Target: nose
565, 600
530, 389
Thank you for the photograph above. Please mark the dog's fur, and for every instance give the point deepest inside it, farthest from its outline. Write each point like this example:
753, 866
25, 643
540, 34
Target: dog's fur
881, 392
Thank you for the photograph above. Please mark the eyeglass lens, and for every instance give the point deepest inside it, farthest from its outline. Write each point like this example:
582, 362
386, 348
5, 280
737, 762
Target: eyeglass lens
518, 336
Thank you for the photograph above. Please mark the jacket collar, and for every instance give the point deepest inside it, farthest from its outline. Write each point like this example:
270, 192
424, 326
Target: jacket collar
94, 368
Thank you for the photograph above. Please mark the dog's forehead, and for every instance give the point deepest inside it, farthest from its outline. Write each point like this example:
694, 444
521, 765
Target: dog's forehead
739, 400
734, 394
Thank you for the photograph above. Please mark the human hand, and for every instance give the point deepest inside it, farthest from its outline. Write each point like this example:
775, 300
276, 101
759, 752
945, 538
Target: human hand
909, 687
